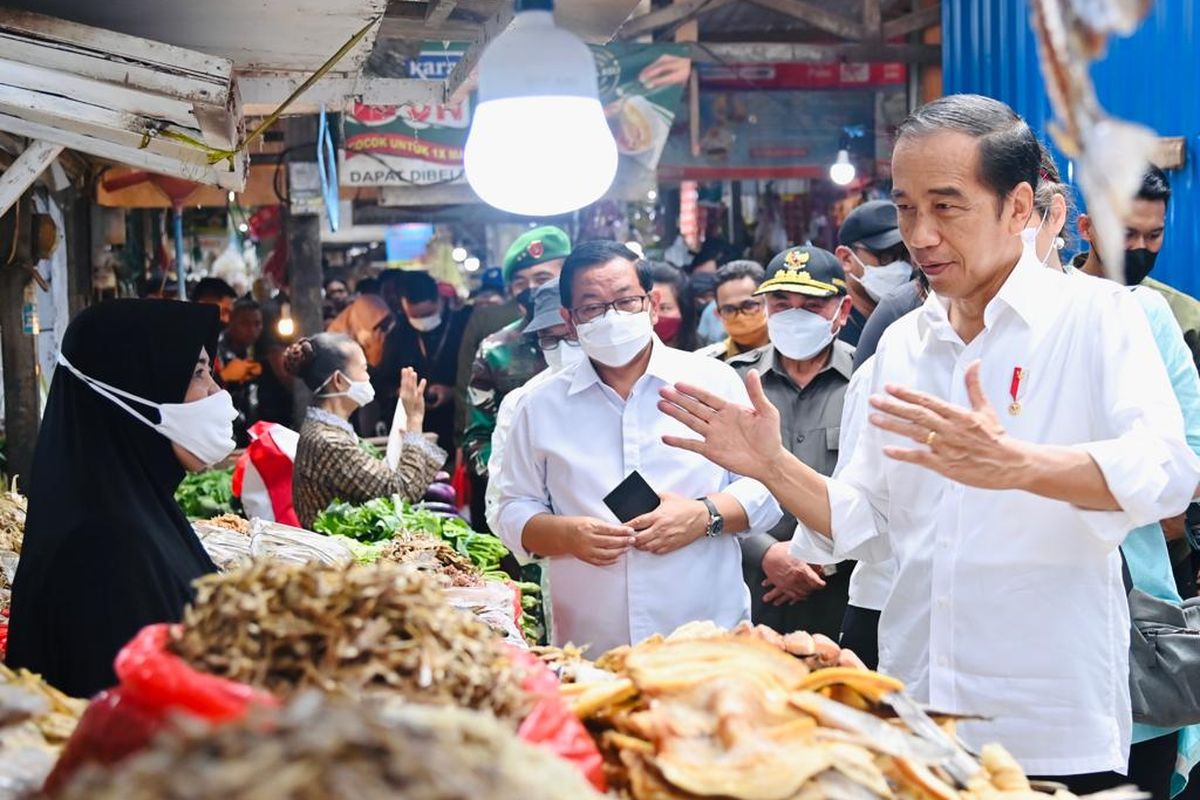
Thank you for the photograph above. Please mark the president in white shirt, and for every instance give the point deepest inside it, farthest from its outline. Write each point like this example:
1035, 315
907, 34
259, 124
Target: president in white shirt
1045, 430
576, 436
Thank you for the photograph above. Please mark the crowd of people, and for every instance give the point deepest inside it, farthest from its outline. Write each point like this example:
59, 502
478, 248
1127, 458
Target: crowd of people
941, 443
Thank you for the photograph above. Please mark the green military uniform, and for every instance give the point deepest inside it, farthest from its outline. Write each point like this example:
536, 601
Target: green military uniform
484, 321
506, 360
810, 425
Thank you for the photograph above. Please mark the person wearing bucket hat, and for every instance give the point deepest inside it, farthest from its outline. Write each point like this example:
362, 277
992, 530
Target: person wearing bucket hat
533, 259
805, 370
561, 353
508, 358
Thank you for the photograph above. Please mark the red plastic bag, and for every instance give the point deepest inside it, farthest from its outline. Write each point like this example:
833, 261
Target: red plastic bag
461, 484
551, 724
154, 685
262, 479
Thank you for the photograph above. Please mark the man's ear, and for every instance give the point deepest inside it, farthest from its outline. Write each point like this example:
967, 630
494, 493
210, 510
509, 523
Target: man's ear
1084, 226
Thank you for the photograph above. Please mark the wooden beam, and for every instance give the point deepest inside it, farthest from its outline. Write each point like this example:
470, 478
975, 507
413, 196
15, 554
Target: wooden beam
21, 174
910, 23
407, 29
872, 16
261, 94
676, 12
219, 175
19, 352
815, 16
494, 26
782, 52
437, 11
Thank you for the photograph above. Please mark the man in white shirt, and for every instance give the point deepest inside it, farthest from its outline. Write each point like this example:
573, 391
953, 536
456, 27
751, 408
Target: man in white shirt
579, 434
1040, 444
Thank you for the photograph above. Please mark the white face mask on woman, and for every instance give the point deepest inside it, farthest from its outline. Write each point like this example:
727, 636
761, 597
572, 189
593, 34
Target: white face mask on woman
203, 427
798, 333
361, 392
616, 338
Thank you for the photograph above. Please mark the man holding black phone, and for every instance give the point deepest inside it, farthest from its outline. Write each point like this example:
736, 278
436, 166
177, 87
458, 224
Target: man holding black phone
640, 539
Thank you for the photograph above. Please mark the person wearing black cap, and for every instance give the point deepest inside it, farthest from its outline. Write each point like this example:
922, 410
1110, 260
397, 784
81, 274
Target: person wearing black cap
804, 370
874, 259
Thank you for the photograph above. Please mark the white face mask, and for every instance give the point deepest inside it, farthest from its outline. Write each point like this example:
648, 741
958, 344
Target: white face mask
204, 427
615, 338
799, 334
426, 324
361, 392
879, 282
1029, 240
564, 356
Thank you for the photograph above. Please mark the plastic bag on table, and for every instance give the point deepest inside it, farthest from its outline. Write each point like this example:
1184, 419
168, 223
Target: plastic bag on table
492, 603
295, 545
228, 549
262, 479
552, 725
154, 684
8, 563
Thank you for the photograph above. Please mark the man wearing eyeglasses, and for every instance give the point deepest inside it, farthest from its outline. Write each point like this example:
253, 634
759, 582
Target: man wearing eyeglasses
805, 371
743, 315
578, 435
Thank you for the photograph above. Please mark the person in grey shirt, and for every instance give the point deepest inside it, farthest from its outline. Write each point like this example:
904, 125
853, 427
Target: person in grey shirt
892, 307
805, 370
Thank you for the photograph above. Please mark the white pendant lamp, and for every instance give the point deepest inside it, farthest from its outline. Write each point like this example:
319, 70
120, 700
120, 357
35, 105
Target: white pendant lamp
842, 171
539, 143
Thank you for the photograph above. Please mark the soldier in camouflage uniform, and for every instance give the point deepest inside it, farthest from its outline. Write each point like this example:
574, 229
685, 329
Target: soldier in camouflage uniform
507, 358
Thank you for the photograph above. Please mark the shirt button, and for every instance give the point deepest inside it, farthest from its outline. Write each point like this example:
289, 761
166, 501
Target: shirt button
800, 437
943, 601
943, 661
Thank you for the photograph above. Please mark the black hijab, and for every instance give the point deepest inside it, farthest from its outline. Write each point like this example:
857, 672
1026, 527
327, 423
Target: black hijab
107, 549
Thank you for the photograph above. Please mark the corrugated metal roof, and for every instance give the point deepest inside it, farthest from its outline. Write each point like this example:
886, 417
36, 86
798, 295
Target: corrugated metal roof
1153, 77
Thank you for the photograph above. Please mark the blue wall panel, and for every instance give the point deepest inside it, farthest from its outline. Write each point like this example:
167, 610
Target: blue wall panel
1153, 77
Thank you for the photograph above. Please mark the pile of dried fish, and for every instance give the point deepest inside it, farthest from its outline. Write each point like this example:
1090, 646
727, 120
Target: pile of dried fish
233, 522
324, 748
357, 629
709, 713
35, 722
12, 519
434, 556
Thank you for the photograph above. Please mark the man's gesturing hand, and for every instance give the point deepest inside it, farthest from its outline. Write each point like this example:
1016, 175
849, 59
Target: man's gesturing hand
740, 439
600, 543
969, 446
676, 523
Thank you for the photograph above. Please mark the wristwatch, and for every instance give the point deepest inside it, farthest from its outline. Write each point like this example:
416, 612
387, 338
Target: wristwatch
716, 523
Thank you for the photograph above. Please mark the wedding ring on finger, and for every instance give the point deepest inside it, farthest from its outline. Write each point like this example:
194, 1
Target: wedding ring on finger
929, 439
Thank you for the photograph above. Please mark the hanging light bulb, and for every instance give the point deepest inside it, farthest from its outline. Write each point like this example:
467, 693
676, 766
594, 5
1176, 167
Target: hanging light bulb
539, 143
459, 254
842, 171
286, 325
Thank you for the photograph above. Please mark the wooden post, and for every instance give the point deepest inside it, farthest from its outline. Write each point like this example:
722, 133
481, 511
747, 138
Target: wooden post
77, 214
304, 252
19, 350
690, 32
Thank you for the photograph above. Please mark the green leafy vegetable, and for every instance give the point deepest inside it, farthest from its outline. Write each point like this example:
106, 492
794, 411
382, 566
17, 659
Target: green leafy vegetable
204, 495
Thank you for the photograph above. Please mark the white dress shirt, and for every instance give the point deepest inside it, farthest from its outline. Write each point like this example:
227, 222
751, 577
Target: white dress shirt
1006, 604
504, 420
572, 441
871, 582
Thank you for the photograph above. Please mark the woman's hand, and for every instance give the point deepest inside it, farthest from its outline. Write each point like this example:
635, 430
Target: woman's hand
412, 398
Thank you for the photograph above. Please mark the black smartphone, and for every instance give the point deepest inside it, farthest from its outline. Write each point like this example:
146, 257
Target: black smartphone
632, 498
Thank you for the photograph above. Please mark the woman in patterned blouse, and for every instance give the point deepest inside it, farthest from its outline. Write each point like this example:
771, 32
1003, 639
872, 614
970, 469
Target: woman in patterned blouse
329, 463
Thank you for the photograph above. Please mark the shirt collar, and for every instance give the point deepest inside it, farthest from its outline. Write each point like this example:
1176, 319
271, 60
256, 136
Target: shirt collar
841, 361
1025, 292
663, 365
331, 419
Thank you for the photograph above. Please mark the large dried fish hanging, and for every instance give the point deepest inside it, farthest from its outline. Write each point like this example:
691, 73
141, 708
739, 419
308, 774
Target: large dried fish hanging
1111, 154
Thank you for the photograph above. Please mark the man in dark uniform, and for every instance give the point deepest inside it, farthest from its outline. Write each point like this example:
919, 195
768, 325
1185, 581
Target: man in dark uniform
805, 371
508, 358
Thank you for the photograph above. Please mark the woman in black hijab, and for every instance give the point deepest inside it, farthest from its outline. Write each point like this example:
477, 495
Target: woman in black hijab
107, 549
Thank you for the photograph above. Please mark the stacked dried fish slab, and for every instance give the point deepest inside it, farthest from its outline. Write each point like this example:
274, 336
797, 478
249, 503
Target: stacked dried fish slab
353, 630
741, 716
321, 748
12, 520
35, 722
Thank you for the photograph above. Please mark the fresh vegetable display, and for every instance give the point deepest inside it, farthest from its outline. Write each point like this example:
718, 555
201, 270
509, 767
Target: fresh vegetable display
204, 495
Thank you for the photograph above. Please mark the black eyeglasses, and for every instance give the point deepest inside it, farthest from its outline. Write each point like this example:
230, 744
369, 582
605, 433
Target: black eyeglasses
551, 342
634, 304
748, 307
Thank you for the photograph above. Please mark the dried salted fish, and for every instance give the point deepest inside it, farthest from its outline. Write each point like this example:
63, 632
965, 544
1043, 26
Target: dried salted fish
1111, 155
12, 519
354, 630
432, 555
323, 748
233, 522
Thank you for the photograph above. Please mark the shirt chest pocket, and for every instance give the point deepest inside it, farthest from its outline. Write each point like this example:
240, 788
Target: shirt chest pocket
817, 447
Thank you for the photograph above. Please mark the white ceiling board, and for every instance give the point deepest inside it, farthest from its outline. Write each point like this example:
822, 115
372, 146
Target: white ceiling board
272, 35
